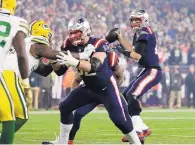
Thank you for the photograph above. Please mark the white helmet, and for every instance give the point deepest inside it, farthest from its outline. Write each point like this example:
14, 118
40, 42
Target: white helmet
141, 15
78, 24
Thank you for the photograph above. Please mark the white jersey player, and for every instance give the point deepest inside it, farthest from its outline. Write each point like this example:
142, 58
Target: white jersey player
33, 61
13, 109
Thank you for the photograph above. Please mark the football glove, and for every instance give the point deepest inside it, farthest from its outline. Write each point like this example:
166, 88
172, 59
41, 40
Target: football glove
67, 59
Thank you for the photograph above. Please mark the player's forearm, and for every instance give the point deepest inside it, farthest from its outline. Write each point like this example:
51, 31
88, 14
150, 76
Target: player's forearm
124, 42
59, 69
134, 55
19, 45
23, 66
45, 51
84, 65
44, 70
94, 64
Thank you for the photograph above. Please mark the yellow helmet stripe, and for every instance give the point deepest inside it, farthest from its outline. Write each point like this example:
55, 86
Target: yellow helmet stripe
40, 41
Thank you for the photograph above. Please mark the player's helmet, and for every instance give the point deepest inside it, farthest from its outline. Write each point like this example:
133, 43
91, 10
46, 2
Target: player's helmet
78, 30
138, 19
41, 28
8, 5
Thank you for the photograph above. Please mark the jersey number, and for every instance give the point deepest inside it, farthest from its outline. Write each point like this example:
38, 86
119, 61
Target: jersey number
5, 28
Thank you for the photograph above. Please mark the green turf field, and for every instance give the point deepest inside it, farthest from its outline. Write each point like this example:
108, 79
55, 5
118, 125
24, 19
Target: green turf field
169, 127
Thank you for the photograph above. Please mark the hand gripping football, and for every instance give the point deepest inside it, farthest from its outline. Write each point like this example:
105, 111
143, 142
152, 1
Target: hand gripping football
111, 36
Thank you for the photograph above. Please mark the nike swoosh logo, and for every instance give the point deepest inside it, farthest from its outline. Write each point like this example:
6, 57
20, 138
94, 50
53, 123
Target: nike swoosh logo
104, 88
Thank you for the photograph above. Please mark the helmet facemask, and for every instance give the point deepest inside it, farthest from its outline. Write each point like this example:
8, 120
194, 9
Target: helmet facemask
135, 23
138, 19
79, 31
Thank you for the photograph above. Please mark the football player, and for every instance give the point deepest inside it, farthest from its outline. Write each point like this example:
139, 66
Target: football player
149, 70
12, 33
37, 48
81, 112
99, 85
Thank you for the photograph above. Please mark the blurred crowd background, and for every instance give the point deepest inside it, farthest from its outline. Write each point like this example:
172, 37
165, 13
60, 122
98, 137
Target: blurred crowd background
172, 21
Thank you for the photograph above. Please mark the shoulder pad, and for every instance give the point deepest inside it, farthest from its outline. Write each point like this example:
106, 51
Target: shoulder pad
40, 39
147, 29
23, 25
98, 42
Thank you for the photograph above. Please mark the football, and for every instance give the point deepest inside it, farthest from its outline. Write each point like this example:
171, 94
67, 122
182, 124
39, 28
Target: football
111, 36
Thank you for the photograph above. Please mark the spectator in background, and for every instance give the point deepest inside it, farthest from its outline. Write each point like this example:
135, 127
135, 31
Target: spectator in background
176, 84
190, 86
35, 87
46, 84
176, 56
67, 82
191, 54
166, 86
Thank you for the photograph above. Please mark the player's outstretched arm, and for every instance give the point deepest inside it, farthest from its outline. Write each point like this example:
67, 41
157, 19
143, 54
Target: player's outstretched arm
94, 64
125, 43
43, 50
44, 70
19, 45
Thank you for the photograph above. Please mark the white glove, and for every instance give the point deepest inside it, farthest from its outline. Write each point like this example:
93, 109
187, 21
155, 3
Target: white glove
67, 59
88, 50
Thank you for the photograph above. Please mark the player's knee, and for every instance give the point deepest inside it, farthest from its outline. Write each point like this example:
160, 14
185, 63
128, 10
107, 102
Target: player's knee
130, 98
124, 126
134, 107
78, 114
63, 108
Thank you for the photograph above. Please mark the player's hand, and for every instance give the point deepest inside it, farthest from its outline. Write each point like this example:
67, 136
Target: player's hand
88, 50
67, 59
120, 35
27, 92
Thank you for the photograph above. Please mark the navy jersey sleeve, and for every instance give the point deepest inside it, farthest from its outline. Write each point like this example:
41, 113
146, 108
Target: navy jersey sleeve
102, 46
112, 59
143, 34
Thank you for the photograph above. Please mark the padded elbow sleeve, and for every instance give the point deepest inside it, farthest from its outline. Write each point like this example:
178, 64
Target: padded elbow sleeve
95, 64
61, 70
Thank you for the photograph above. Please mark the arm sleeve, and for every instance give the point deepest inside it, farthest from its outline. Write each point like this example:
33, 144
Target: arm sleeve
113, 60
104, 47
140, 46
24, 26
62, 70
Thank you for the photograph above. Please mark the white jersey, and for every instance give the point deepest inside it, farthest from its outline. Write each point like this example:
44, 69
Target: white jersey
11, 62
9, 26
